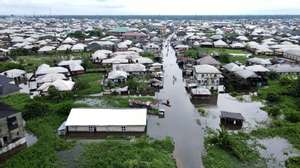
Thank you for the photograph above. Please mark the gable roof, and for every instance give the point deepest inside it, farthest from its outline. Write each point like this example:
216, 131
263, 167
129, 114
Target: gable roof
208, 60
6, 110
7, 87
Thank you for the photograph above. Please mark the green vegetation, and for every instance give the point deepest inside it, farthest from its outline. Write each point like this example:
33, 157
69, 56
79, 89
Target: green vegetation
223, 55
148, 55
89, 83
122, 101
82, 35
42, 122
142, 152
226, 150
293, 162
282, 98
4, 66
32, 61
202, 111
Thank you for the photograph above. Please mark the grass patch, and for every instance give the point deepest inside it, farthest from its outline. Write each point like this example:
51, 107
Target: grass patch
226, 150
123, 154
43, 153
90, 83
122, 101
31, 62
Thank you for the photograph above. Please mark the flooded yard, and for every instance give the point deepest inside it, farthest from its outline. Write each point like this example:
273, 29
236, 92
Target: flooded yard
250, 110
276, 151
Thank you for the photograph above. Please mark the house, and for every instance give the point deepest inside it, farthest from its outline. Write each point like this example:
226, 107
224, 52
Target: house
12, 132
64, 47
220, 44
135, 36
60, 85
119, 31
207, 76
285, 69
74, 66
97, 122
203, 96
101, 45
46, 49
132, 69
293, 54
151, 47
78, 47
259, 61
209, 60
18, 75
6, 86
232, 121
100, 55
46, 69
116, 76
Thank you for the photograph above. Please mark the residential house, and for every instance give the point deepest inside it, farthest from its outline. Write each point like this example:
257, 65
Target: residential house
12, 132
207, 76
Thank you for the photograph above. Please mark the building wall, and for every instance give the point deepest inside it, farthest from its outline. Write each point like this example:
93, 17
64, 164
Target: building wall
209, 81
107, 129
14, 134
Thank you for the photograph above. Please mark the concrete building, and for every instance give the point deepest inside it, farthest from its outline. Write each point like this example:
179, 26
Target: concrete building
207, 76
12, 132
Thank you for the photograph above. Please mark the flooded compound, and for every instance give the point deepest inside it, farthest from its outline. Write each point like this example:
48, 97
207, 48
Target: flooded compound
250, 110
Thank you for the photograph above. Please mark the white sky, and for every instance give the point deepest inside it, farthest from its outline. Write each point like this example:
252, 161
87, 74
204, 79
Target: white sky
149, 7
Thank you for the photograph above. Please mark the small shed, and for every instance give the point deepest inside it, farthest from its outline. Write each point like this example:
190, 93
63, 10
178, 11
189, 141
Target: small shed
233, 121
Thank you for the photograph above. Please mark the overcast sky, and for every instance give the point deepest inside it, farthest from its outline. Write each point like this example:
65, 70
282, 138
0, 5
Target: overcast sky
149, 7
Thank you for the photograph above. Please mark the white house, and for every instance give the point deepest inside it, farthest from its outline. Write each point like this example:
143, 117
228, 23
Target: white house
97, 121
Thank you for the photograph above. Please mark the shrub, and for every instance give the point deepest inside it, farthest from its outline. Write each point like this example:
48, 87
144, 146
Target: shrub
292, 116
35, 109
293, 162
272, 97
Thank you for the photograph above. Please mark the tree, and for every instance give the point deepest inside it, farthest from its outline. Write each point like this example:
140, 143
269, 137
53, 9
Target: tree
95, 33
77, 34
132, 84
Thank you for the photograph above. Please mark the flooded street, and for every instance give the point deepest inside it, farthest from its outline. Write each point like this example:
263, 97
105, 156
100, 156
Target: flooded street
180, 122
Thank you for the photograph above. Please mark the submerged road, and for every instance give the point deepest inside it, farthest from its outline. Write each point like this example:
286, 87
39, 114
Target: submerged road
182, 121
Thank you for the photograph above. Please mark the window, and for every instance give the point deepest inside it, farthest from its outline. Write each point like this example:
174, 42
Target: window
123, 128
12, 123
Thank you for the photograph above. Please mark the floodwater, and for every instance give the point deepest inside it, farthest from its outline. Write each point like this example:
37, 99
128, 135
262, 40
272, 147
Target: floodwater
254, 116
276, 151
181, 121
30, 139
